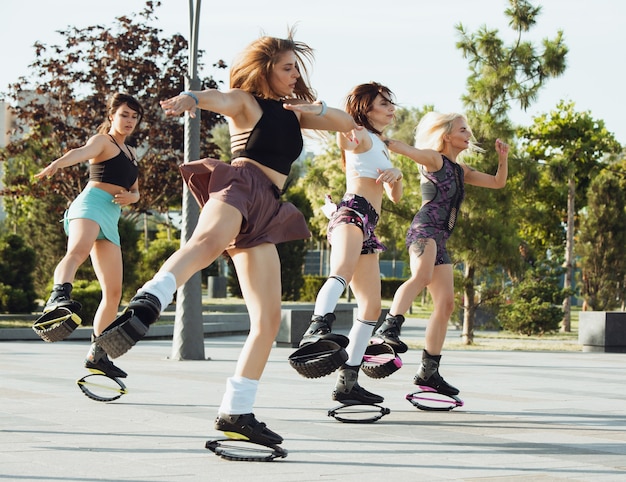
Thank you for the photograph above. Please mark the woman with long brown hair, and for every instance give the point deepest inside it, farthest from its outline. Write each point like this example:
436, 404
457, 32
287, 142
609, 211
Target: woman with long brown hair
91, 222
268, 104
354, 245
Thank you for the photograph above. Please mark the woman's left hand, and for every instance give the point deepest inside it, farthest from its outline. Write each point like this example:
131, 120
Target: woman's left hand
316, 108
390, 176
502, 147
124, 198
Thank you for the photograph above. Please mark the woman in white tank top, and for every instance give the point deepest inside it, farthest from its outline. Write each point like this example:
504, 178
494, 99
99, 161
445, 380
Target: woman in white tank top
355, 248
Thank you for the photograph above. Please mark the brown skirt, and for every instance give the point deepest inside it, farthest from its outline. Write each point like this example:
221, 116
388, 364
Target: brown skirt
245, 187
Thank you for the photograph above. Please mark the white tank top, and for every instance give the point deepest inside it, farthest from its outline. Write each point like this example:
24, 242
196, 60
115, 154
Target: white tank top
365, 164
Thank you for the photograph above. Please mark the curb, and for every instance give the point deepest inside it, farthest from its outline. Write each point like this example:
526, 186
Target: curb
214, 324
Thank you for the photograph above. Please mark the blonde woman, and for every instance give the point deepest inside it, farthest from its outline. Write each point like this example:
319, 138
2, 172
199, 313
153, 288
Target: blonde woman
440, 139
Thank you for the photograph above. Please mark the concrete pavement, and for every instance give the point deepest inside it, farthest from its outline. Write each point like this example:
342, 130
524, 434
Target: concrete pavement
539, 416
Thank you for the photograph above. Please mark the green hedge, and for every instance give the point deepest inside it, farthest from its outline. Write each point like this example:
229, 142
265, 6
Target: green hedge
312, 285
88, 294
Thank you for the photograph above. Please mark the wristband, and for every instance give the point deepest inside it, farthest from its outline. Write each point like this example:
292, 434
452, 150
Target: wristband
324, 108
190, 94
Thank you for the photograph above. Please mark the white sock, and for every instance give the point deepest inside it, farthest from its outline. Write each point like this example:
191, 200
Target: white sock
163, 286
329, 295
239, 397
359, 336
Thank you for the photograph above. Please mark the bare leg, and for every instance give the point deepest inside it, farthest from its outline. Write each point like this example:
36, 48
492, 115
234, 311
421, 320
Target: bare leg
346, 251
106, 258
81, 238
218, 224
441, 289
366, 286
344, 257
258, 270
422, 259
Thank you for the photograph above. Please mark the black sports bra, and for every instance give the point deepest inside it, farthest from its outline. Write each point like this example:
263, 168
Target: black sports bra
275, 141
119, 170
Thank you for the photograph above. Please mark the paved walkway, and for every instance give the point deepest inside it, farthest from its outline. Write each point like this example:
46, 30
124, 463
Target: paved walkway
528, 416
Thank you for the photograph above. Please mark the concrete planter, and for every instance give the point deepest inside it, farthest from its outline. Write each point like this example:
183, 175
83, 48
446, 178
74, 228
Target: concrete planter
295, 321
602, 331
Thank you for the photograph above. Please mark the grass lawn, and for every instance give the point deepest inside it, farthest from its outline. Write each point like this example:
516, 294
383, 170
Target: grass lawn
508, 341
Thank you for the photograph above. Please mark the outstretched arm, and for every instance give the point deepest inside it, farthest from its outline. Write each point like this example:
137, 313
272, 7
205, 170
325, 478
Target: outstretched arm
497, 180
429, 158
90, 150
319, 116
227, 103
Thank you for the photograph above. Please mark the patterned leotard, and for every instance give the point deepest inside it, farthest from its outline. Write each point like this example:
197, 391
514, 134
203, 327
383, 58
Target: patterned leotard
442, 193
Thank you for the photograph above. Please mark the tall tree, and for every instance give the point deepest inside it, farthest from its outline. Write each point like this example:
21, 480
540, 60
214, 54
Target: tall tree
500, 75
570, 143
601, 243
62, 101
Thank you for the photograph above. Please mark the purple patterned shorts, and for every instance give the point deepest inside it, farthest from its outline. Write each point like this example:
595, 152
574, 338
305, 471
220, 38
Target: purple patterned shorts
356, 210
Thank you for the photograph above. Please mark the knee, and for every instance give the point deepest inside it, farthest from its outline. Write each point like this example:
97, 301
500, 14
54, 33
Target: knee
267, 327
420, 280
446, 306
78, 256
112, 295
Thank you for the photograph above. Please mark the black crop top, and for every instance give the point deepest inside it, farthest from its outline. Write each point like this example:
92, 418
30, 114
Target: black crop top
275, 141
119, 170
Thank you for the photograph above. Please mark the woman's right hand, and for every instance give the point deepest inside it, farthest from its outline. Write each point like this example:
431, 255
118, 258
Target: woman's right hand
48, 171
179, 105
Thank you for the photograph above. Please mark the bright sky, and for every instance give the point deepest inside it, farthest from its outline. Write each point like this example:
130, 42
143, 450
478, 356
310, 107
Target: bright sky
408, 45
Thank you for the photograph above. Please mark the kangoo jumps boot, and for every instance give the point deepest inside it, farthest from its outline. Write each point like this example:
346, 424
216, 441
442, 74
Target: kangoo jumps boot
246, 427
389, 331
428, 375
348, 391
98, 361
131, 326
321, 329
61, 298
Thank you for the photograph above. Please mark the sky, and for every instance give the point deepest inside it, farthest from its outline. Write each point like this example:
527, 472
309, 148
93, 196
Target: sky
407, 45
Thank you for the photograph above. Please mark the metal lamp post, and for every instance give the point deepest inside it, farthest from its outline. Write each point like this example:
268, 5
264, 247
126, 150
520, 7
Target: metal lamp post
188, 340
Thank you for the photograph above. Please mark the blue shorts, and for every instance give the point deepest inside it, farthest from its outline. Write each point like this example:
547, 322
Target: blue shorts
95, 204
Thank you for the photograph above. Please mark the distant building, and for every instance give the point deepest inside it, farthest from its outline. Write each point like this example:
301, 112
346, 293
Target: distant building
7, 123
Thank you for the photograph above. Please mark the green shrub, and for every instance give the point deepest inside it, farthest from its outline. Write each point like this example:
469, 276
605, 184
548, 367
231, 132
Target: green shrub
534, 317
15, 300
532, 309
389, 286
153, 258
89, 295
131, 255
17, 263
310, 287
